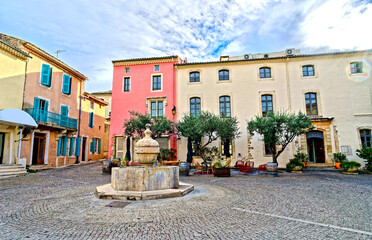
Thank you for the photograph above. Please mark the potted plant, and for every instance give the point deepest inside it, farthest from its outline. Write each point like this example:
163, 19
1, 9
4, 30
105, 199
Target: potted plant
338, 158
116, 162
366, 153
350, 167
222, 170
294, 166
303, 157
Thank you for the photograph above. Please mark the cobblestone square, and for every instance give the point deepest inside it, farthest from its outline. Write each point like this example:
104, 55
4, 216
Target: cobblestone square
60, 204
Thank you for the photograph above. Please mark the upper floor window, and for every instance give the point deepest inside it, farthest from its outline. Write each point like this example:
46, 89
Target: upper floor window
266, 104
46, 75
91, 105
307, 70
223, 75
365, 137
127, 70
195, 77
225, 107
195, 106
156, 68
157, 108
91, 120
156, 83
356, 67
265, 72
40, 111
66, 87
311, 104
126, 84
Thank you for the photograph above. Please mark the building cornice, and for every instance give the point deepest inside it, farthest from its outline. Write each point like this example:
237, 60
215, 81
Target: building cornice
14, 51
139, 61
95, 99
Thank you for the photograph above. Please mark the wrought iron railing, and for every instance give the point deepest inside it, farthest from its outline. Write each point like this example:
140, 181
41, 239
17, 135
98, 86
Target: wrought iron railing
49, 117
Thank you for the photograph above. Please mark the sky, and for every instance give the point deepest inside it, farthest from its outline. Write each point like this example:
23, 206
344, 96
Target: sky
95, 32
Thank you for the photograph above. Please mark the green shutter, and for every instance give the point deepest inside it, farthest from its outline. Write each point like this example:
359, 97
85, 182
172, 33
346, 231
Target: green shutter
45, 112
64, 145
66, 84
59, 147
64, 111
92, 120
71, 146
99, 145
45, 74
69, 86
92, 146
77, 150
36, 111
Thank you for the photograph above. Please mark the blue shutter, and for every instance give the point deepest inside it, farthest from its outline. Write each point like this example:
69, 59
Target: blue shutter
45, 113
66, 84
92, 120
91, 146
99, 145
36, 111
64, 111
45, 75
59, 147
69, 86
71, 146
50, 76
77, 150
64, 145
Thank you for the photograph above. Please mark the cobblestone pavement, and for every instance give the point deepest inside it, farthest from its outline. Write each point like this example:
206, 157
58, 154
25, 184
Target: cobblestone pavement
60, 204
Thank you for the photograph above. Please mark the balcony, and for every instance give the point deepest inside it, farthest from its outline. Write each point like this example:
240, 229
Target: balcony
55, 119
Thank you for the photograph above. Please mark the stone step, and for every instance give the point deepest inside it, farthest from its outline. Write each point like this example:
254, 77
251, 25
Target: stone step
320, 165
11, 166
12, 170
40, 167
12, 174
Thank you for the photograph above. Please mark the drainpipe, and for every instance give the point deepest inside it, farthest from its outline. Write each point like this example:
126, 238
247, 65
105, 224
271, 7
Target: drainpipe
80, 97
20, 143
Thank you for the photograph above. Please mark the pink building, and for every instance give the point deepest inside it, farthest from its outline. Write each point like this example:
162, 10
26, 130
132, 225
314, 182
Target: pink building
145, 85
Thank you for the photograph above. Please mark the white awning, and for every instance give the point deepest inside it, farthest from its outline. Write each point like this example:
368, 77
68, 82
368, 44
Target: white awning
16, 117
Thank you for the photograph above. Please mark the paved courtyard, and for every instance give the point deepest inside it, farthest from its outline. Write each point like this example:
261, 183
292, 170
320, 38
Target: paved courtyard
60, 204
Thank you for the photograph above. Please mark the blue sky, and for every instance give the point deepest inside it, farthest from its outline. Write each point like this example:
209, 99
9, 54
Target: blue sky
95, 32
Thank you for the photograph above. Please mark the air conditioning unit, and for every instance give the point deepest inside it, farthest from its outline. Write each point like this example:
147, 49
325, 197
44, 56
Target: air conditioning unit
290, 52
247, 56
266, 55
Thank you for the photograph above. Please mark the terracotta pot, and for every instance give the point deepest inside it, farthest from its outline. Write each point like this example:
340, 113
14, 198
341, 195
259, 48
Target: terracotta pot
297, 169
338, 165
305, 164
221, 172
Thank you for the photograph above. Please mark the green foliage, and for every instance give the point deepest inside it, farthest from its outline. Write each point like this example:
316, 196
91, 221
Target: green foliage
136, 125
279, 129
350, 164
293, 163
339, 157
167, 154
366, 153
209, 126
303, 157
30, 170
209, 153
218, 164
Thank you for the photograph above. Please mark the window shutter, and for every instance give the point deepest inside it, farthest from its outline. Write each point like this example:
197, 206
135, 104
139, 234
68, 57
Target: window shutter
92, 146
71, 146
45, 72
92, 120
45, 113
59, 147
64, 145
66, 84
50, 76
64, 111
77, 150
69, 86
36, 111
99, 145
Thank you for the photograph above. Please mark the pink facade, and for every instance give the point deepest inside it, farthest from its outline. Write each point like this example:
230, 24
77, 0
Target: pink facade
140, 85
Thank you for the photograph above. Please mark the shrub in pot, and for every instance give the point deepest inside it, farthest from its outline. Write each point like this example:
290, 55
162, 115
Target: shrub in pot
338, 158
350, 167
366, 154
221, 170
294, 165
303, 157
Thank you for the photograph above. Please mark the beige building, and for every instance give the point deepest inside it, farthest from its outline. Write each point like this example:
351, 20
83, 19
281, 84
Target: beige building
334, 89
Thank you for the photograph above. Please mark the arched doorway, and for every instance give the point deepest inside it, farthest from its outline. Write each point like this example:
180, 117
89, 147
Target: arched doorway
315, 146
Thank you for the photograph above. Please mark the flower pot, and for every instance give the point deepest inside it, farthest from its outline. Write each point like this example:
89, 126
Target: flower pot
338, 165
106, 167
221, 172
352, 170
305, 164
297, 169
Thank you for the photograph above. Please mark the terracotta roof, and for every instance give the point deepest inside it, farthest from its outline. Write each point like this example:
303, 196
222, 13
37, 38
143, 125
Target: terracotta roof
15, 49
99, 100
102, 92
142, 59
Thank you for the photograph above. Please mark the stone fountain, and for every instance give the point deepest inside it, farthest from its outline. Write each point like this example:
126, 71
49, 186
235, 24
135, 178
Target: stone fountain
145, 181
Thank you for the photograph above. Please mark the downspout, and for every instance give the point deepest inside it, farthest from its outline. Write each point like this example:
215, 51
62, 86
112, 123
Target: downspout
77, 157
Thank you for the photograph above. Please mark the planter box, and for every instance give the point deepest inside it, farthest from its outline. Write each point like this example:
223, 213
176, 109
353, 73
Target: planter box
221, 172
352, 170
297, 169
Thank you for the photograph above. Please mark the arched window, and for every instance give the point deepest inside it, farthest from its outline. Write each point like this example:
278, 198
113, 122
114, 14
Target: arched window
225, 107
265, 72
365, 137
311, 104
308, 71
194, 77
195, 106
266, 104
223, 75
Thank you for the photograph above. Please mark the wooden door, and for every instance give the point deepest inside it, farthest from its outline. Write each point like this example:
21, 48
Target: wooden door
38, 149
83, 150
319, 150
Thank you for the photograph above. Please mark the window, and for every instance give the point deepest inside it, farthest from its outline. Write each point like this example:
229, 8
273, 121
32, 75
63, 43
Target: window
307, 70
195, 106
365, 137
66, 87
91, 119
226, 148
157, 109
156, 68
311, 104
195, 77
46, 75
356, 67
265, 72
126, 84
127, 70
225, 108
91, 104
71, 152
223, 75
95, 145
266, 104
40, 111
64, 116
62, 146
156, 83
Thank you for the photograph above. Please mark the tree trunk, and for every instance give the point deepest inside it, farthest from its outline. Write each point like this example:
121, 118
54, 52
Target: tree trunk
189, 150
275, 158
226, 148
